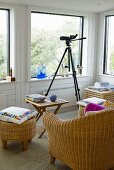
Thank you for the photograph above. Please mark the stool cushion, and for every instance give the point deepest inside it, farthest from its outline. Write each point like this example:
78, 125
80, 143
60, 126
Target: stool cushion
93, 107
16, 115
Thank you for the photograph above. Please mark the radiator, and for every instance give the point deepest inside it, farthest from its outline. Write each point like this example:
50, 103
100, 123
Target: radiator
3, 101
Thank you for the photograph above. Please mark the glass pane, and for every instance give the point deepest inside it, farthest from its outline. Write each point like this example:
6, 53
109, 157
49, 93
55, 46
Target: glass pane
3, 43
110, 45
46, 46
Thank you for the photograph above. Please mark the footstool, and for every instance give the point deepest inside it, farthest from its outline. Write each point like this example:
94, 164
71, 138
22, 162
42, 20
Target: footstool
23, 132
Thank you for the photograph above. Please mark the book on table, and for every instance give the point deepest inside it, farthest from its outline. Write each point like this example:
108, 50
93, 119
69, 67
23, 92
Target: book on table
95, 100
35, 97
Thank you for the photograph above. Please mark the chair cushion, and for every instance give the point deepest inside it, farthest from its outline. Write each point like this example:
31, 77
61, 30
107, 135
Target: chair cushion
16, 115
93, 107
97, 112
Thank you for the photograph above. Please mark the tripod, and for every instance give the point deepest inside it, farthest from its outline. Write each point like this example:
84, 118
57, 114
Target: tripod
70, 60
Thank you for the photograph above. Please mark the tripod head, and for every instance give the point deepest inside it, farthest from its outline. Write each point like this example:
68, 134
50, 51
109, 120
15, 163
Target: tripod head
70, 38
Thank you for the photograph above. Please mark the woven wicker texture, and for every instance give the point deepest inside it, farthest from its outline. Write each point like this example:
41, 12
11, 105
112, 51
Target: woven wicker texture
108, 104
108, 95
81, 111
18, 132
85, 143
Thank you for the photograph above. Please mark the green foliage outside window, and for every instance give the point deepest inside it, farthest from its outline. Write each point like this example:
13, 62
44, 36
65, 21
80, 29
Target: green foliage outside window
3, 63
47, 48
112, 62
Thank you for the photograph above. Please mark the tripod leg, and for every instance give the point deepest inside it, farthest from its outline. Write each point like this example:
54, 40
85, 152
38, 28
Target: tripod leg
77, 93
56, 72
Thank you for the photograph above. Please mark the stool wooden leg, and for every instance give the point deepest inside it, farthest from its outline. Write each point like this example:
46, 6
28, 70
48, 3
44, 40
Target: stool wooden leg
25, 145
52, 160
4, 144
29, 141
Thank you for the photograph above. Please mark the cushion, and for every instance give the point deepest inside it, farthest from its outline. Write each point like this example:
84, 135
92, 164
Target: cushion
16, 115
96, 112
35, 97
93, 107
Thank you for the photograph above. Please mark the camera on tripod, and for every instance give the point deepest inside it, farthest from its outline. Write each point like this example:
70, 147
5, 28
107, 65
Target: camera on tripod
71, 37
70, 60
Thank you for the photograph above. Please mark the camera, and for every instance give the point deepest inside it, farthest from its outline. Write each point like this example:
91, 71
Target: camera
71, 37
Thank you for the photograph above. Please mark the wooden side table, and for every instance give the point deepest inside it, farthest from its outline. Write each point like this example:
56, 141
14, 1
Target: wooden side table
42, 106
107, 95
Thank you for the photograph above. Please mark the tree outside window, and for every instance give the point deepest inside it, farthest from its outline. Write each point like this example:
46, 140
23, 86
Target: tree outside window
109, 46
4, 43
46, 46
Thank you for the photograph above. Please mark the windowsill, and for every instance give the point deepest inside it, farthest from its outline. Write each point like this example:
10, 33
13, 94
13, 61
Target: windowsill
57, 78
106, 75
6, 81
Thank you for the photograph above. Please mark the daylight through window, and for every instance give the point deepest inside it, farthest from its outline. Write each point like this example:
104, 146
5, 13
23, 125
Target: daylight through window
109, 46
4, 43
46, 46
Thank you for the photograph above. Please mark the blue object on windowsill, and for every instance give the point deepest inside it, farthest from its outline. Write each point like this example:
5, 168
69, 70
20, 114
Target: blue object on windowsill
41, 75
41, 72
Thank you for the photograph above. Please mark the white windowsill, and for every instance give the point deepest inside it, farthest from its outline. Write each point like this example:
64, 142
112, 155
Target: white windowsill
6, 81
57, 78
106, 75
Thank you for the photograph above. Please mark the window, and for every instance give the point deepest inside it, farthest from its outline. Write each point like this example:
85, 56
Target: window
47, 48
109, 46
4, 43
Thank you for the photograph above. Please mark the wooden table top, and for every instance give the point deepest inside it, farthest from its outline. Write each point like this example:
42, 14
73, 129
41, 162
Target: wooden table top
47, 102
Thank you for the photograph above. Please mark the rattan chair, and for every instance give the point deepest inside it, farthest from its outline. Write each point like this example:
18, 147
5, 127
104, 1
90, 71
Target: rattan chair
85, 143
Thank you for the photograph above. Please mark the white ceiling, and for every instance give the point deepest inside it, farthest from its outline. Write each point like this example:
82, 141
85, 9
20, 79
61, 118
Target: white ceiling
81, 5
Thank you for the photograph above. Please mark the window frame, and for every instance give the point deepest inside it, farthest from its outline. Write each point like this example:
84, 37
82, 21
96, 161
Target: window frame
81, 32
105, 44
8, 39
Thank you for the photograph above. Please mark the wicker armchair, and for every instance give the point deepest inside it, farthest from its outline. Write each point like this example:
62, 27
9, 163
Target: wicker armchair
85, 143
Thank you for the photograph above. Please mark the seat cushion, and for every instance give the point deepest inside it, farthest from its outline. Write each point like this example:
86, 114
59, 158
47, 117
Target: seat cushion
93, 107
16, 115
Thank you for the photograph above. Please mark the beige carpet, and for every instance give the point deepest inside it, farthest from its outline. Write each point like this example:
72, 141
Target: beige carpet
35, 158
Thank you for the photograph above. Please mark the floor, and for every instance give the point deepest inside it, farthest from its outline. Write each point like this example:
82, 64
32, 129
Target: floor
63, 115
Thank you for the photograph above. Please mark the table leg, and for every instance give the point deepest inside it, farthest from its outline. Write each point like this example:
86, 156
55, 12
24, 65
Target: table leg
55, 112
57, 109
42, 133
41, 111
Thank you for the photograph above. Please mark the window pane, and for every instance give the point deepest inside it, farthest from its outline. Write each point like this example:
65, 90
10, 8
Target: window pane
109, 45
46, 46
4, 48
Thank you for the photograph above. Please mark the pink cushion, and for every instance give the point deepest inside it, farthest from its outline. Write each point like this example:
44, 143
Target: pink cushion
93, 107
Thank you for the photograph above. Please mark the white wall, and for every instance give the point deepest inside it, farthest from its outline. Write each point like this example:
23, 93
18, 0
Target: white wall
14, 92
